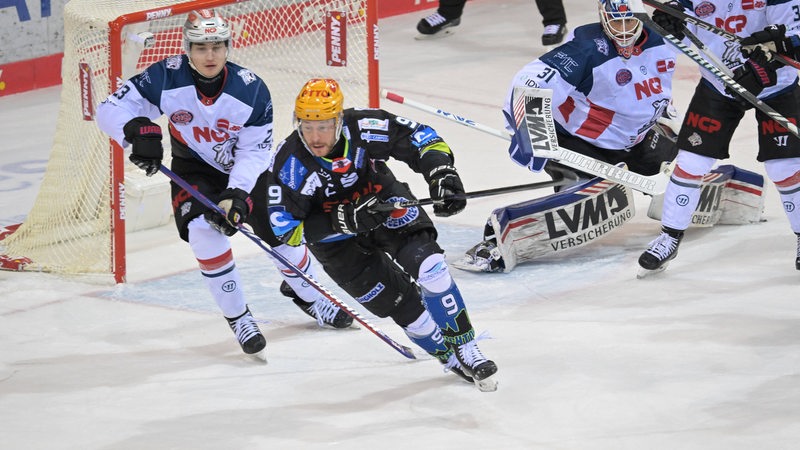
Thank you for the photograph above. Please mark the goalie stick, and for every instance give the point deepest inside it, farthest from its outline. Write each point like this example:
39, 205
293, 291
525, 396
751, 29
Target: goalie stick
405, 351
639, 13
655, 184
389, 206
711, 28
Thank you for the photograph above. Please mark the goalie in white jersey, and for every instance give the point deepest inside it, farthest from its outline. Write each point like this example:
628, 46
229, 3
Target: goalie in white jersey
220, 127
611, 83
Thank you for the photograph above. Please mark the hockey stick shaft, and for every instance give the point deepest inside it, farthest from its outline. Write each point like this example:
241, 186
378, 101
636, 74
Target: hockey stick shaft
712, 29
438, 112
725, 79
405, 351
706, 52
474, 194
649, 185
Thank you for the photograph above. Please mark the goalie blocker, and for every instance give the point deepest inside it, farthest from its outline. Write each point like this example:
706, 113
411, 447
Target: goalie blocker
587, 212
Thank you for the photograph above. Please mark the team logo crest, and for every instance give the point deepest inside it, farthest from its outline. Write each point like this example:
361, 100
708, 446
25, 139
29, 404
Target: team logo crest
181, 117
401, 217
704, 9
624, 76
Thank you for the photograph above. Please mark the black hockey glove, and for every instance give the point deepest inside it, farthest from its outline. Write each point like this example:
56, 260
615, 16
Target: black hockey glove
755, 74
670, 23
237, 205
772, 38
358, 217
447, 191
145, 137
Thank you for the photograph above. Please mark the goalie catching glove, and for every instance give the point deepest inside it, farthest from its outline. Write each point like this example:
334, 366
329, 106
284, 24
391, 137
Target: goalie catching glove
145, 138
447, 191
772, 38
237, 205
358, 217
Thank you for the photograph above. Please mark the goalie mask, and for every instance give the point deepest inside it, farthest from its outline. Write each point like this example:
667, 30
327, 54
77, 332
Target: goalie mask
204, 25
620, 25
320, 99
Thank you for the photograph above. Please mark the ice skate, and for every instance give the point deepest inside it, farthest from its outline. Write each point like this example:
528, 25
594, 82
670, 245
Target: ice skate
659, 252
483, 257
475, 365
797, 259
323, 310
553, 34
451, 364
436, 26
248, 335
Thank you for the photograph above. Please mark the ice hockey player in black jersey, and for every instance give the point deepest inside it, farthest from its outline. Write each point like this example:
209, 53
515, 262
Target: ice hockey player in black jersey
326, 183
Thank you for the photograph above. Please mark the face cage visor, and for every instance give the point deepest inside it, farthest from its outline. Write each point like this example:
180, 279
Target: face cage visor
622, 28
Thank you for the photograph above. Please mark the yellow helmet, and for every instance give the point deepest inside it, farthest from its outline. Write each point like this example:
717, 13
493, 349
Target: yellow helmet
319, 99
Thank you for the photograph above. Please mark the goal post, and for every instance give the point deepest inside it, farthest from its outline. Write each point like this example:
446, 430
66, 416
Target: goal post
90, 193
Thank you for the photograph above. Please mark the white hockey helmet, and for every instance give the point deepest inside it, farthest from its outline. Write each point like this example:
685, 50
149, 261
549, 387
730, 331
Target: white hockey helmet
204, 25
620, 25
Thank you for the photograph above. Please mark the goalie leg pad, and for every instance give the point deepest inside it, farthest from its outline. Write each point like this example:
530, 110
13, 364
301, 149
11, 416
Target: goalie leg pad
563, 221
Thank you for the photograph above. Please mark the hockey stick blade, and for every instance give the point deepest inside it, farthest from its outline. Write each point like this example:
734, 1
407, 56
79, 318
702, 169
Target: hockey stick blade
711, 28
402, 349
652, 185
725, 79
389, 206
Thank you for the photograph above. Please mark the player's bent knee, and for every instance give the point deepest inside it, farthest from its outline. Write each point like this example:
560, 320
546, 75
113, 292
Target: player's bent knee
694, 164
782, 169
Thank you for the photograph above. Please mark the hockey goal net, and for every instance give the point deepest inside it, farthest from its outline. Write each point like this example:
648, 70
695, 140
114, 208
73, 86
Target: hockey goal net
77, 224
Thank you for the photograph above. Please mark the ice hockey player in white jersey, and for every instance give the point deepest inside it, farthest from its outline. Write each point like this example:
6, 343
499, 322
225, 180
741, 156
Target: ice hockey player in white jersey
611, 82
220, 127
713, 114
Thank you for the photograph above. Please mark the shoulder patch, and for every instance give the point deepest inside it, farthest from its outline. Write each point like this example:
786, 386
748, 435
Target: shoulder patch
174, 62
246, 76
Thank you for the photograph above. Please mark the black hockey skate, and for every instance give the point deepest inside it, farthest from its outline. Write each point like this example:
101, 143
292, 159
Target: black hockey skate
659, 252
451, 364
797, 260
323, 310
554, 34
436, 25
247, 333
475, 365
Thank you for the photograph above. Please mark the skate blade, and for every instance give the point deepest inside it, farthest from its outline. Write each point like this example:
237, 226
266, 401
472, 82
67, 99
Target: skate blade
645, 273
260, 357
486, 384
429, 37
